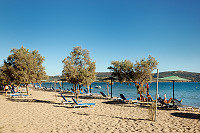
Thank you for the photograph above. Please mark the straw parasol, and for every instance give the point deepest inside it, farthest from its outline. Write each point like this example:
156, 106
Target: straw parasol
174, 78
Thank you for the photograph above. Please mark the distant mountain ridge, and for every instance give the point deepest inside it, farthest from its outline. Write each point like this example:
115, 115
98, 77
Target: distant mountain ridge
194, 77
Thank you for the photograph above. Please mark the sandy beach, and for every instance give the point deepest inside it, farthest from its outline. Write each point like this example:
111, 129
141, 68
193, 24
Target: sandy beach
42, 113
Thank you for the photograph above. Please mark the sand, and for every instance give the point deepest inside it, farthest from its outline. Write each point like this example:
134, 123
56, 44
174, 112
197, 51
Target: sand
42, 113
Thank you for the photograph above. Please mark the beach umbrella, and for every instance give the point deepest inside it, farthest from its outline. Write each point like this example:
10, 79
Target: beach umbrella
174, 78
112, 79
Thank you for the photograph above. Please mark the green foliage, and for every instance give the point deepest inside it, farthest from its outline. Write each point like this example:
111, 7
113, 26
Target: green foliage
143, 72
79, 68
139, 73
23, 67
123, 70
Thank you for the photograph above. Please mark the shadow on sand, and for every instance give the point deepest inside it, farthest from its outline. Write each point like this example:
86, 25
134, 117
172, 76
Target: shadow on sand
29, 100
117, 103
186, 115
122, 118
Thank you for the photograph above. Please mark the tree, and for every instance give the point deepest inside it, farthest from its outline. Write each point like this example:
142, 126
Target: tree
139, 73
23, 67
4, 79
108, 82
143, 72
79, 69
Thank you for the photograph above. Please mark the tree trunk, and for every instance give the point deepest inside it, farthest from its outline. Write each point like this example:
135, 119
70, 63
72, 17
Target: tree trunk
27, 89
18, 88
88, 89
76, 94
107, 89
55, 89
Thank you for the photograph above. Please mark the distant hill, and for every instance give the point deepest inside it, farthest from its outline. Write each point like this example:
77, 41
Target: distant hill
102, 75
55, 78
194, 77
99, 76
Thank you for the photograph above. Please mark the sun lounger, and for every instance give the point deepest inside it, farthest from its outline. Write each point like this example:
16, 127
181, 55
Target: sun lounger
85, 91
16, 94
65, 101
124, 98
103, 94
13, 91
163, 104
179, 106
129, 100
82, 104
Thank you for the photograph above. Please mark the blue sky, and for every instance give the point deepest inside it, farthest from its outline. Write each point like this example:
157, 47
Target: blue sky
169, 30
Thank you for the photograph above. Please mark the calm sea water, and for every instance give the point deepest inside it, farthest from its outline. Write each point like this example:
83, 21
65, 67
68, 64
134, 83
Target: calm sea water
188, 91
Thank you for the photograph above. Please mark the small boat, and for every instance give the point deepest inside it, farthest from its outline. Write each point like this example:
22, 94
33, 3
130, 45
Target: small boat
99, 87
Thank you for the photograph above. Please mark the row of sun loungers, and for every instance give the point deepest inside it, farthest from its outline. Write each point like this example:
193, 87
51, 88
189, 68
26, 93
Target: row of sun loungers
175, 103
16, 94
76, 103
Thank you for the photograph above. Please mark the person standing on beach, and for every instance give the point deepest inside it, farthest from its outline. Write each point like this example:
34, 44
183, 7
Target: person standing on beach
6, 89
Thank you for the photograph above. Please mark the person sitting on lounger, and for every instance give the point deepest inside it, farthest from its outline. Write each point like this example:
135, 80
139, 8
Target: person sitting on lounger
142, 98
167, 101
149, 97
170, 100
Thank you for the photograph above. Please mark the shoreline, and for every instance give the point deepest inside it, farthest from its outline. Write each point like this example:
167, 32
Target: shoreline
189, 88
43, 113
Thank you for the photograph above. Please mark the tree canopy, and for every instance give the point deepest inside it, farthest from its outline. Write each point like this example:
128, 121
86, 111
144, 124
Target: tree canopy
79, 68
139, 73
23, 67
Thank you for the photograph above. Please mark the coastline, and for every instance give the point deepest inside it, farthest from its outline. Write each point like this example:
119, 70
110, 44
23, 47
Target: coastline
41, 112
192, 89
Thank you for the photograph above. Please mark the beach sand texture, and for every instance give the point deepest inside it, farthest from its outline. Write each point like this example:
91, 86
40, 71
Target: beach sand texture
40, 114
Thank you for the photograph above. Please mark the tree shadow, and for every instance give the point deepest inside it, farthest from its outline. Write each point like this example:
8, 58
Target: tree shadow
115, 102
186, 115
91, 97
116, 117
59, 105
30, 100
120, 103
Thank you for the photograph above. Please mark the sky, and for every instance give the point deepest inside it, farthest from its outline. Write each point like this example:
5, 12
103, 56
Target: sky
169, 30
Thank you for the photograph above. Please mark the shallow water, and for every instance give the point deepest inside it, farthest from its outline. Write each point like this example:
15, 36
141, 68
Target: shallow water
188, 91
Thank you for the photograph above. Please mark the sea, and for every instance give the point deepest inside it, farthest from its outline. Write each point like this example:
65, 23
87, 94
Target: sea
188, 91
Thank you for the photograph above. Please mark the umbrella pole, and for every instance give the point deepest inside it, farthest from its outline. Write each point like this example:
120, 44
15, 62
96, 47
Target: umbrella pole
111, 88
173, 92
156, 94
173, 89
